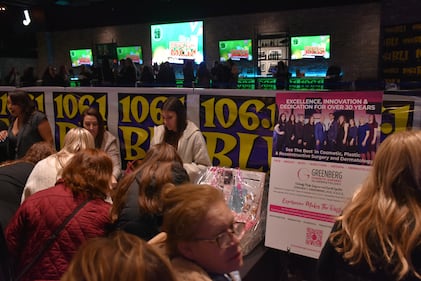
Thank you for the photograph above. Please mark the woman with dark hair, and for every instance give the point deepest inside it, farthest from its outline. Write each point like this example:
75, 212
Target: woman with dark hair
84, 187
342, 136
137, 206
94, 123
27, 125
309, 138
28, 78
13, 176
362, 138
147, 77
184, 135
203, 76
372, 138
352, 135
290, 131
188, 74
279, 134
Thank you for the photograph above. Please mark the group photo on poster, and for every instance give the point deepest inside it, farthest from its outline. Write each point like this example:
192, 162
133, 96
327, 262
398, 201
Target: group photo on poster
333, 128
323, 146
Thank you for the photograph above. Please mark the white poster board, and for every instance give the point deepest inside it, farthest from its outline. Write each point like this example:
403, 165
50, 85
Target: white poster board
310, 183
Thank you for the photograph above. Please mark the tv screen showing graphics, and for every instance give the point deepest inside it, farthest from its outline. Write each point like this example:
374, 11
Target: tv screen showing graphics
176, 42
235, 50
133, 52
310, 47
81, 56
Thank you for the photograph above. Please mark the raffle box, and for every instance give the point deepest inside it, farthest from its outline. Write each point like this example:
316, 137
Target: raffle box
243, 190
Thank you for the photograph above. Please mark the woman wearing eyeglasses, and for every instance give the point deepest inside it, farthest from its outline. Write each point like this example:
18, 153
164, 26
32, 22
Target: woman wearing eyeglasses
203, 239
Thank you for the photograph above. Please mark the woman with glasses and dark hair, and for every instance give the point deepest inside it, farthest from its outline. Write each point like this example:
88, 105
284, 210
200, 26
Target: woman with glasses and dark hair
203, 238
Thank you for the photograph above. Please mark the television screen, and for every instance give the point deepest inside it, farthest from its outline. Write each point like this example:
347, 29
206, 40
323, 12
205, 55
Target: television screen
310, 47
133, 52
175, 42
81, 56
235, 50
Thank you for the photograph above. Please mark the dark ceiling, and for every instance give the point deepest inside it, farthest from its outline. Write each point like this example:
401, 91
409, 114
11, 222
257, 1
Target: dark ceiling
69, 14
57, 15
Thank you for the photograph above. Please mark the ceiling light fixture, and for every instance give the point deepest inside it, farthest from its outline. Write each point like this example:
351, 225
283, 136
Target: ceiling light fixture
27, 20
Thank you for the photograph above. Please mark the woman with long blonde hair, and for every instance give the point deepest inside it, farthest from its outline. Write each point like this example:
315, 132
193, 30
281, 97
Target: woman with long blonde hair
378, 235
47, 171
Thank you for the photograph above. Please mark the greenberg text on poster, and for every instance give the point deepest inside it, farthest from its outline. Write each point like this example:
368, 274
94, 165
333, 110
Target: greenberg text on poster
323, 146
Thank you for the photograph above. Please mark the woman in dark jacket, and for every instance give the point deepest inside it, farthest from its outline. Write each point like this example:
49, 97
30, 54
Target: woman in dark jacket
13, 176
137, 206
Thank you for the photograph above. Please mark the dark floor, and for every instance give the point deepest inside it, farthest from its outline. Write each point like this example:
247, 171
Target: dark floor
277, 265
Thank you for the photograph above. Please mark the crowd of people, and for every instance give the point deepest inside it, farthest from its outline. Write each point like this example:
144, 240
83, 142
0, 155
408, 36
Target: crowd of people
67, 214
334, 132
73, 214
126, 73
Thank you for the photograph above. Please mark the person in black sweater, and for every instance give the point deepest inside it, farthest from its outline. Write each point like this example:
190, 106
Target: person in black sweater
378, 234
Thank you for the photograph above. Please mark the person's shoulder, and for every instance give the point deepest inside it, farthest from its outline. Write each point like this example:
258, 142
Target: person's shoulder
188, 271
192, 126
108, 136
50, 195
159, 128
49, 161
38, 116
191, 130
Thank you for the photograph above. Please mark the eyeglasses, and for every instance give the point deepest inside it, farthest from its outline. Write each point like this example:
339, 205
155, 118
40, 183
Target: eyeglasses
224, 239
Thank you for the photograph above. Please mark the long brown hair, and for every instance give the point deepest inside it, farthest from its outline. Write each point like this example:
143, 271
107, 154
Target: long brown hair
22, 99
175, 105
161, 166
381, 225
93, 111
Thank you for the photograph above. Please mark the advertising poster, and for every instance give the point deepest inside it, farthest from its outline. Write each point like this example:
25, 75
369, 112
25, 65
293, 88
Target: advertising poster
68, 108
238, 130
323, 146
137, 116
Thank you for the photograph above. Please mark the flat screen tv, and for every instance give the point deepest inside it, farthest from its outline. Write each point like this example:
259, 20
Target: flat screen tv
176, 42
81, 56
236, 50
133, 52
303, 47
